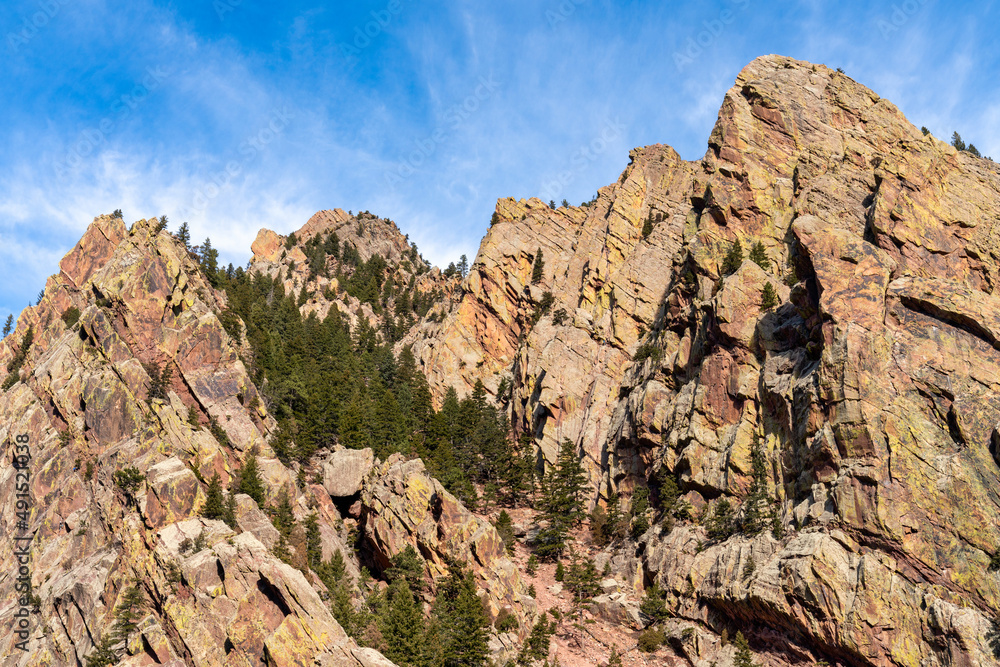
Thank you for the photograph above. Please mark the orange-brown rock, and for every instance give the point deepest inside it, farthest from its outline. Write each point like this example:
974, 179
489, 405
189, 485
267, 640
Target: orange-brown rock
871, 386
213, 597
403, 505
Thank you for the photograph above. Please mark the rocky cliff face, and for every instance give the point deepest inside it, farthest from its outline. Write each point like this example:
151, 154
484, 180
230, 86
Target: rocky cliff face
82, 397
861, 407
871, 386
324, 281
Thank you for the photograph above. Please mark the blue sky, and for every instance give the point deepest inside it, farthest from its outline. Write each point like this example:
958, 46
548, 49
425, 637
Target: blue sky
234, 115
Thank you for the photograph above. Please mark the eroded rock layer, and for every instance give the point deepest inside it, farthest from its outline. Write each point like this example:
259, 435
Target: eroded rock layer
872, 385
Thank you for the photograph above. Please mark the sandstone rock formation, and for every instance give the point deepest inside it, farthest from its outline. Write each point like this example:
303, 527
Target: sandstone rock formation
865, 398
871, 385
82, 397
403, 505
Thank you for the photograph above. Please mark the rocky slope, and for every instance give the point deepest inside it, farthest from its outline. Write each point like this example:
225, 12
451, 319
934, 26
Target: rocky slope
82, 393
872, 386
860, 409
326, 287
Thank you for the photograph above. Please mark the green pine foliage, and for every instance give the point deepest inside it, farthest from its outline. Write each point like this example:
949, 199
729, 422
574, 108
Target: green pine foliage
537, 268
71, 316
505, 528
14, 365
768, 297
733, 259
639, 519
128, 480
184, 235
404, 628
461, 620
562, 505
208, 260
651, 639
250, 482
215, 504
759, 510
283, 516
654, 605
582, 579
328, 383
130, 609
721, 522
314, 542
743, 656
333, 574
536, 647
758, 255
103, 654
229, 515
647, 226
159, 380
407, 565
8, 325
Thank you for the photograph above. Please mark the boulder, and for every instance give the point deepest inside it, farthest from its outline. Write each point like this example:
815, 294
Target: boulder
345, 469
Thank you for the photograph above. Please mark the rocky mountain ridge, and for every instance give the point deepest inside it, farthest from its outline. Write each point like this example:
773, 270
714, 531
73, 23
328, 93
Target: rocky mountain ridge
856, 413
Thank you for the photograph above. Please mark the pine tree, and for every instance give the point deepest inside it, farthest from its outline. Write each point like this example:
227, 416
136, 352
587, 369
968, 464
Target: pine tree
462, 620
229, 515
250, 480
104, 653
582, 579
184, 235
956, 141
8, 326
284, 516
159, 380
758, 511
720, 523
768, 297
758, 255
403, 627
505, 528
407, 565
743, 656
128, 612
214, 507
314, 542
647, 226
463, 266
614, 659
537, 268
209, 262
733, 260
654, 605
563, 503
537, 645
161, 225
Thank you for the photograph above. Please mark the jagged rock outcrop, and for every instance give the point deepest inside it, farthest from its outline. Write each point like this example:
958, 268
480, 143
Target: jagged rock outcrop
81, 393
289, 257
871, 386
403, 505
861, 408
